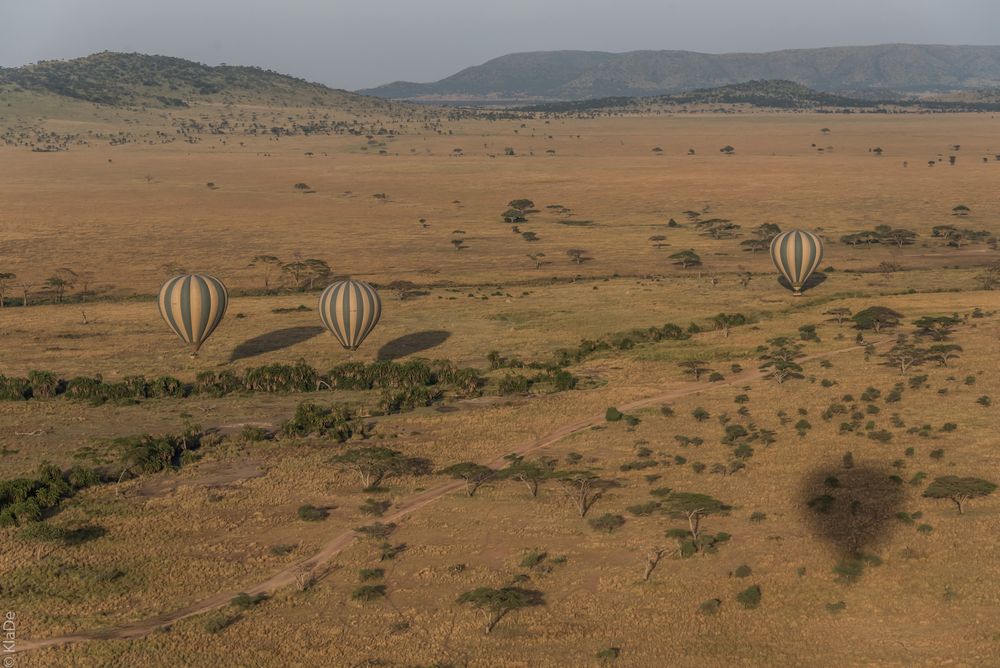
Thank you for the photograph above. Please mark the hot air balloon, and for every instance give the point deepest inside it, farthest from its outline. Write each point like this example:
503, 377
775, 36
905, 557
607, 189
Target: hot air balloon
350, 310
193, 305
796, 254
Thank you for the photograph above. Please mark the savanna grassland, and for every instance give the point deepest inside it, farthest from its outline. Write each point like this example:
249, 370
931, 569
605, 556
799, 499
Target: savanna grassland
712, 518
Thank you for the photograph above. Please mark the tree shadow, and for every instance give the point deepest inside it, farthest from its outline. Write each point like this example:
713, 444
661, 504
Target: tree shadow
817, 278
854, 509
412, 343
276, 340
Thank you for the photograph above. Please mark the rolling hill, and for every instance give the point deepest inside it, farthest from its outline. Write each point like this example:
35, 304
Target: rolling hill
135, 79
579, 75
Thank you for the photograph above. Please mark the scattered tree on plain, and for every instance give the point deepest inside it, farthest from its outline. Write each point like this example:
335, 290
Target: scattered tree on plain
495, 604
959, 490
474, 475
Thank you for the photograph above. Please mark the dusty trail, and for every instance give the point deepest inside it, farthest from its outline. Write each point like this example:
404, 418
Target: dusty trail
292, 573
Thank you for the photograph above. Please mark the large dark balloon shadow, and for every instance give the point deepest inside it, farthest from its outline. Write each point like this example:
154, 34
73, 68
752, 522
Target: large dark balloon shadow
412, 343
852, 510
817, 278
276, 340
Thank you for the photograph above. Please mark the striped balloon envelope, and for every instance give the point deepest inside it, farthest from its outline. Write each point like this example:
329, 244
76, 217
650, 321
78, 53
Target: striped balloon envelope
797, 254
350, 310
193, 305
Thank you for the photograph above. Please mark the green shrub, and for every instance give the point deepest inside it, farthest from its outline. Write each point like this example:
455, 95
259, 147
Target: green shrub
336, 422
608, 654
244, 600
252, 434
644, 509
533, 558
613, 414
750, 597
309, 513
849, 570
513, 384
375, 507
607, 522
368, 593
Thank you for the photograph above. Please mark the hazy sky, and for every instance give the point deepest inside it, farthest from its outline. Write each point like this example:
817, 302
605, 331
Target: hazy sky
369, 42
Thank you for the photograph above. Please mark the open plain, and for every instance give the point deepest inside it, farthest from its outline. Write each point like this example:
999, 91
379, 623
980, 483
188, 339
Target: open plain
816, 544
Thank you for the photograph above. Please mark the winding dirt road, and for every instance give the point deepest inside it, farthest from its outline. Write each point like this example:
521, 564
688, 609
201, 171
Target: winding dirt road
294, 572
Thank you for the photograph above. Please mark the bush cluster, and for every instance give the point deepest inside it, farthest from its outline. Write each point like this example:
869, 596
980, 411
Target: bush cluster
24, 500
298, 377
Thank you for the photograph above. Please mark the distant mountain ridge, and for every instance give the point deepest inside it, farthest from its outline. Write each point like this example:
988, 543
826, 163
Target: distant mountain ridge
774, 94
581, 75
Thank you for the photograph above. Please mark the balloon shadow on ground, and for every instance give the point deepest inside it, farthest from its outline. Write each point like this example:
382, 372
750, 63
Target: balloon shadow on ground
817, 278
276, 340
412, 343
852, 510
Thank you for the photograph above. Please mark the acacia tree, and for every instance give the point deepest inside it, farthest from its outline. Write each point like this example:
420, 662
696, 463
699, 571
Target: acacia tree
726, 321
495, 604
905, 355
578, 255
268, 265
694, 368
938, 328
62, 279
582, 488
474, 475
899, 237
693, 507
959, 490
294, 270
876, 318
57, 285
5, 278
942, 352
537, 258
530, 472
990, 278
755, 245
316, 270
779, 359
685, 259
25, 289
376, 464
658, 240
840, 314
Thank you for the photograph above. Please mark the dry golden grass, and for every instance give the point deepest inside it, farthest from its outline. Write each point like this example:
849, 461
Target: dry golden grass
179, 538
